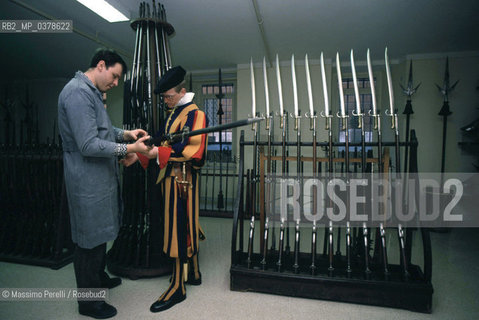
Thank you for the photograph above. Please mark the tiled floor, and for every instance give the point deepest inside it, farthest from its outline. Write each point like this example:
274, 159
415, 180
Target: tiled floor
455, 281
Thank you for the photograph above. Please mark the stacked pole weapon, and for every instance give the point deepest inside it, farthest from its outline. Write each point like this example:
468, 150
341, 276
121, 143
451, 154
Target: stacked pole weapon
312, 126
268, 167
445, 112
343, 115
375, 113
409, 91
394, 125
327, 114
297, 128
254, 128
360, 114
283, 118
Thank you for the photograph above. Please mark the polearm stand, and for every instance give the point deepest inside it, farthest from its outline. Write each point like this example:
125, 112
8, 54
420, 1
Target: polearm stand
138, 250
413, 293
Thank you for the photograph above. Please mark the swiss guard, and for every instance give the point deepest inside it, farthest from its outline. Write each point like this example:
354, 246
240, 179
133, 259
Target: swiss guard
179, 178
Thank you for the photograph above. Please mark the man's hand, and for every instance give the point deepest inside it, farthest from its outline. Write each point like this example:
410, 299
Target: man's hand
129, 159
139, 145
129, 135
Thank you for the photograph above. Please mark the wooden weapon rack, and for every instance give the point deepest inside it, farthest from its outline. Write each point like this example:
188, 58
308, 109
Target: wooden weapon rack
413, 292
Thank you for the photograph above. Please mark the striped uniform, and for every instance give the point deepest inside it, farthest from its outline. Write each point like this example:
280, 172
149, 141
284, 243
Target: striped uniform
182, 228
181, 233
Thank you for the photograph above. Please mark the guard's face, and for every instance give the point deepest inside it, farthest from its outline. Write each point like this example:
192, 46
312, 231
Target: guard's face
171, 97
108, 77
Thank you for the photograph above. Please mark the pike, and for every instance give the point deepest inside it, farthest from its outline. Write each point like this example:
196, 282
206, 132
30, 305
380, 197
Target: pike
445, 112
297, 128
394, 125
343, 115
268, 166
312, 127
283, 118
377, 126
359, 113
328, 117
409, 91
270, 125
254, 128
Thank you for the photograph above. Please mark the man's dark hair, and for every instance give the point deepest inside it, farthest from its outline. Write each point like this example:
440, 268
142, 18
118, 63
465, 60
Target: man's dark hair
109, 56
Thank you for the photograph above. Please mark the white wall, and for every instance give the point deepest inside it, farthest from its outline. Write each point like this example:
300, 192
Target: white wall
427, 102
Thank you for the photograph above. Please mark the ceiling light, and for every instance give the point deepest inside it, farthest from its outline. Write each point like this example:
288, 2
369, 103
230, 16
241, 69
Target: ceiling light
104, 10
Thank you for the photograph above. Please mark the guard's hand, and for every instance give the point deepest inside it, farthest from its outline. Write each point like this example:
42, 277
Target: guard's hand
129, 135
152, 153
129, 159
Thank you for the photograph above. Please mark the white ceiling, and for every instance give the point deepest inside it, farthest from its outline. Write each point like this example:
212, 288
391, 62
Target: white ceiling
210, 34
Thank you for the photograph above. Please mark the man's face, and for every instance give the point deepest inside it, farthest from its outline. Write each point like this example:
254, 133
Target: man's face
171, 97
108, 77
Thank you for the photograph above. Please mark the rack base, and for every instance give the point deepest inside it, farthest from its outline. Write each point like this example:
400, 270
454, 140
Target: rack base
394, 292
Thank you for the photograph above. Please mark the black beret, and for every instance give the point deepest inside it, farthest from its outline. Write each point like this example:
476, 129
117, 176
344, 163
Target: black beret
170, 79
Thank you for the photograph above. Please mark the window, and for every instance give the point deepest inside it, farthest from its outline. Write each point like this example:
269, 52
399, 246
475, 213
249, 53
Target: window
350, 105
211, 92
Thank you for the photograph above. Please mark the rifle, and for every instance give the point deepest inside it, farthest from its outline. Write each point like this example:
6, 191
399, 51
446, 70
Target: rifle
185, 133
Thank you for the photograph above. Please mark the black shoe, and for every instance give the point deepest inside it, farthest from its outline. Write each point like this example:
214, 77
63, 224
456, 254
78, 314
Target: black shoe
192, 281
110, 283
97, 309
177, 297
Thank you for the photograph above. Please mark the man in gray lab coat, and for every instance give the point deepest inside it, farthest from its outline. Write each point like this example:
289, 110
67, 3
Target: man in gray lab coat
91, 146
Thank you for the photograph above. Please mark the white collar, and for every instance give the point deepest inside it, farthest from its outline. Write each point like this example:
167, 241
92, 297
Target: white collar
188, 97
